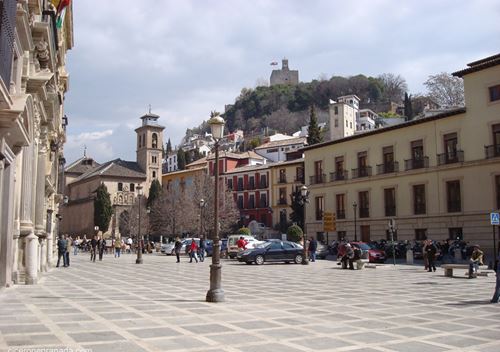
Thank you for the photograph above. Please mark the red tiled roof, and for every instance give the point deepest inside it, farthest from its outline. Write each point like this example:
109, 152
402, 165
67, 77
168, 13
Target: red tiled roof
479, 65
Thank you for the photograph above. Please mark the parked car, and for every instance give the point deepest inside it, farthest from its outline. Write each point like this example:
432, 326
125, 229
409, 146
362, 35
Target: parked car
232, 247
272, 251
367, 252
322, 251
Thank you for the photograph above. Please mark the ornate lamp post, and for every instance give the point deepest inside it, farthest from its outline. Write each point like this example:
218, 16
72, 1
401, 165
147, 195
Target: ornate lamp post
216, 293
139, 238
304, 199
202, 205
354, 206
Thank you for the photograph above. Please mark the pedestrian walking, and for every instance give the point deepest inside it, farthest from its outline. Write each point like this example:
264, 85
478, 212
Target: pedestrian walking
61, 250
118, 247
431, 250
68, 248
177, 248
76, 243
313, 247
201, 249
496, 295
102, 247
193, 251
93, 248
424, 255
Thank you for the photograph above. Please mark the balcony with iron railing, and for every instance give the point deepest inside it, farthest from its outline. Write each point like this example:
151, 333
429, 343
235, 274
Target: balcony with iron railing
364, 212
492, 151
341, 214
299, 179
387, 168
282, 202
420, 163
456, 156
339, 175
250, 186
316, 179
364, 171
263, 184
454, 206
390, 210
282, 179
420, 208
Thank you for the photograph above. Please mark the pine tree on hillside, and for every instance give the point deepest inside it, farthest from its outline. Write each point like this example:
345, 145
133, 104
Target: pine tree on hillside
103, 209
181, 159
408, 106
154, 192
314, 132
169, 146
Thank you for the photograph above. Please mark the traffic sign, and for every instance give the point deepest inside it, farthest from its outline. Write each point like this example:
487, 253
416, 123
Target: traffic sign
329, 222
495, 218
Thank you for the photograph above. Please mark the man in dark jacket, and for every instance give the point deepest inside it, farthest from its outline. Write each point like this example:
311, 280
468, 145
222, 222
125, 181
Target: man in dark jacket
313, 246
93, 248
496, 295
431, 255
61, 250
202, 248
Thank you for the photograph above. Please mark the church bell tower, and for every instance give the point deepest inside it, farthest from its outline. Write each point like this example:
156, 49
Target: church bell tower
149, 148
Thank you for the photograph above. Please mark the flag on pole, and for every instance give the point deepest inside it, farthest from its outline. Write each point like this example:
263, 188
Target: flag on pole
60, 5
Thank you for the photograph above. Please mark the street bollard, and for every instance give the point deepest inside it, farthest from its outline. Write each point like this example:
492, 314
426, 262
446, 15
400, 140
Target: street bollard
409, 256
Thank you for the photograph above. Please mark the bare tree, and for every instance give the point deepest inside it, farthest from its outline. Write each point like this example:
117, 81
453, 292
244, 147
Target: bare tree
446, 90
133, 218
394, 87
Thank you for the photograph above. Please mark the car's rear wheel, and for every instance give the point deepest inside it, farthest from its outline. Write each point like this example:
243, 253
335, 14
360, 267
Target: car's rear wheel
298, 259
259, 260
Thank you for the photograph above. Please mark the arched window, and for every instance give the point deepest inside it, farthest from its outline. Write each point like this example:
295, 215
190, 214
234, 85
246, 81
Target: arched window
154, 141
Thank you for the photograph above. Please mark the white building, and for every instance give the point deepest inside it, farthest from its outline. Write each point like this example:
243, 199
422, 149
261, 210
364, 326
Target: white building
343, 116
276, 150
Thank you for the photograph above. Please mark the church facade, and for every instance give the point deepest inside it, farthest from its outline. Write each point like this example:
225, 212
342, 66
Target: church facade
120, 177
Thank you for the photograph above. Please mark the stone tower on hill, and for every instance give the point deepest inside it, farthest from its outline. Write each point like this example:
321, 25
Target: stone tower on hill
285, 75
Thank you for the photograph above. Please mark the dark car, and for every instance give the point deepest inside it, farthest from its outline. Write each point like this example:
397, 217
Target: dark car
210, 247
322, 251
272, 251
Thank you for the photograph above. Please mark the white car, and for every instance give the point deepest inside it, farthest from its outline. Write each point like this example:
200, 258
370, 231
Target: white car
232, 247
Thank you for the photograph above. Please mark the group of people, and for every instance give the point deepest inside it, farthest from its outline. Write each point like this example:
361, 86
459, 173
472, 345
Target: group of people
195, 250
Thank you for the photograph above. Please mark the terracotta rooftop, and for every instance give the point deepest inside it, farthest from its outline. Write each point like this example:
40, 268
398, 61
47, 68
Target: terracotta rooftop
115, 168
479, 65
249, 154
81, 165
283, 142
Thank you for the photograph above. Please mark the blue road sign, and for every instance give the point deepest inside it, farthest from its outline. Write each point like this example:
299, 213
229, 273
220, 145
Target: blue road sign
495, 218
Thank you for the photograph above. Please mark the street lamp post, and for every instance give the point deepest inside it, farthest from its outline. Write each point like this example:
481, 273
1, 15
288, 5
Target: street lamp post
216, 293
202, 205
139, 238
355, 206
304, 199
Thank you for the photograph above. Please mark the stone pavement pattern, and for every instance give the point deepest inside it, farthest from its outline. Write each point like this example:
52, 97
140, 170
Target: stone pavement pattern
116, 305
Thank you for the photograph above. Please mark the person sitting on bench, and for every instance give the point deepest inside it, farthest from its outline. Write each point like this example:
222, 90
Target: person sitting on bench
476, 259
348, 257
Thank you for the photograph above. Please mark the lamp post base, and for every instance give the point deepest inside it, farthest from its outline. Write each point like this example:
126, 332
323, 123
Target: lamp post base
138, 261
216, 293
305, 261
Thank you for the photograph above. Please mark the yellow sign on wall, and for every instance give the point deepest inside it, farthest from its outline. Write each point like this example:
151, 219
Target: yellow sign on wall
329, 222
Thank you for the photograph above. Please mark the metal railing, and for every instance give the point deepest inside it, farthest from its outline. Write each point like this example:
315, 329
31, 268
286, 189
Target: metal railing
339, 175
362, 172
456, 156
340, 214
387, 168
492, 151
364, 212
419, 209
299, 179
282, 179
454, 206
390, 211
412, 164
315, 179
7, 33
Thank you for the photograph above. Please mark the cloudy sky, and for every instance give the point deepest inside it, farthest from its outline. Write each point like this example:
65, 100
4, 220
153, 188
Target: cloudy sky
187, 57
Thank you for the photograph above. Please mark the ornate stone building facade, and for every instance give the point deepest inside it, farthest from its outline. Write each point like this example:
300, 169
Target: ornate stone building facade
33, 82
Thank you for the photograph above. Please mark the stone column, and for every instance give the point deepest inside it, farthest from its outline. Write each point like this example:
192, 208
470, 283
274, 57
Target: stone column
31, 251
43, 254
26, 206
40, 193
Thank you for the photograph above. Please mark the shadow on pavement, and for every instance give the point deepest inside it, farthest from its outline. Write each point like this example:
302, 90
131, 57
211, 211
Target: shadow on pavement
468, 303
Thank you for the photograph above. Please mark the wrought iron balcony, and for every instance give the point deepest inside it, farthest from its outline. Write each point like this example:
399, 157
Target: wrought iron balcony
390, 211
451, 157
299, 179
340, 214
387, 168
282, 202
412, 164
282, 179
364, 212
263, 185
492, 151
362, 172
251, 186
454, 206
420, 208
315, 179
339, 175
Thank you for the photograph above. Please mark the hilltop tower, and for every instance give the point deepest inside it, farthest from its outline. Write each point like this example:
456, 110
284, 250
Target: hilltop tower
150, 148
285, 75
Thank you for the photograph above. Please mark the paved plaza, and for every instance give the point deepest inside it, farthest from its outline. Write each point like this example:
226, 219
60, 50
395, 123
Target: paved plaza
116, 305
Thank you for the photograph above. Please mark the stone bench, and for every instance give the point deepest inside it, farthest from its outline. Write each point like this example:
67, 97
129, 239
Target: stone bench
448, 268
360, 263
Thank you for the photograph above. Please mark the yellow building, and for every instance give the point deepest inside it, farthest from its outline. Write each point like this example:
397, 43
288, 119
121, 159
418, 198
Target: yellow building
285, 176
438, 177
